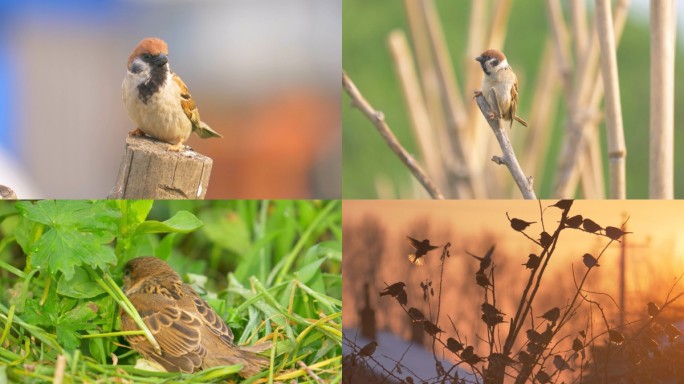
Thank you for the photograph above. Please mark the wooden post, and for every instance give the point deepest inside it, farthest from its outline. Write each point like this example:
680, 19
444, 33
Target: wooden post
150, 171
7, 193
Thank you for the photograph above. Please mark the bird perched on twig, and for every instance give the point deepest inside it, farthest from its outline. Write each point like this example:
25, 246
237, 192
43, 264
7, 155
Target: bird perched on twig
552, 314
615, 233
397, 291
422, 248
157, 100
416, 315
590, 225
561, 364
533, 261
190, 334
431, 328
453, 345
518, 224
574, 221
368, 349
499, 75
590, 261
563, 204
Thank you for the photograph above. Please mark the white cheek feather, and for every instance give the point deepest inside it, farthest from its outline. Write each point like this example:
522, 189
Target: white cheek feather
495, 68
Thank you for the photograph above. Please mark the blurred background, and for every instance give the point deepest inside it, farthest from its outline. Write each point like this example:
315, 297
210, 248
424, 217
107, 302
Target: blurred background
372, 170
264, 73
643, 267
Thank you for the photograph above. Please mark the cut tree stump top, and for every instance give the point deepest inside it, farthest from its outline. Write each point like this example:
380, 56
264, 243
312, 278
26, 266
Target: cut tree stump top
150, 171
6, 193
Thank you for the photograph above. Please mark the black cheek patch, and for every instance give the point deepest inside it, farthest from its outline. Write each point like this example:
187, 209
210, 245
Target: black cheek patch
149, 88
136, 67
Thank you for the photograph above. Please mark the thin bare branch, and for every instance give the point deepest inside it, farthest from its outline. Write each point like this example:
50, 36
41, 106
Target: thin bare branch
378, 120
415, 104
524, 183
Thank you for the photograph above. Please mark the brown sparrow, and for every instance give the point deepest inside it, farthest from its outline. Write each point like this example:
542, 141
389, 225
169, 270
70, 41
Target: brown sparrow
190, 334
157, 100
499, 75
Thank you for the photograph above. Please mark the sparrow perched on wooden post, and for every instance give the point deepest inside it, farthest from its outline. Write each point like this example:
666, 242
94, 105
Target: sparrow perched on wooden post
157, 100
499, 75
190, 334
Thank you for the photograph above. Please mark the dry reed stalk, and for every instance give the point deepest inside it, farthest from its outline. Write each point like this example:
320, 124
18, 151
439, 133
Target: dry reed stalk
456, 117
475, 46
378, 120
663, 24
544, 105
617, 188
433, 97
592, 174
478, 33
559, 32
417, 110
453, 99
578, 20
499, 25
581, 108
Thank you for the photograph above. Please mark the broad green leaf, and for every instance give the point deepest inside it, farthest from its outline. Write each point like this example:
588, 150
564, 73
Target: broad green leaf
81, 214
133, 212
182, 222
139, 209
68, 338
62, 251
80, 286
83, 313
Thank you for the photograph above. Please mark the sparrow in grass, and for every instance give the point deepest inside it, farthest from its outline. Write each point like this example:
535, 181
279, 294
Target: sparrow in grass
190, 334
157, 100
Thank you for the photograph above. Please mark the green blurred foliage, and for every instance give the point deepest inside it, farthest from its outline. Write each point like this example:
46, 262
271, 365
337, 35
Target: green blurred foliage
366, 59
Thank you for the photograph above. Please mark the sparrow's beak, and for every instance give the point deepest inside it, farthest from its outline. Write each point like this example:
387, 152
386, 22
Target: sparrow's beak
481, 59
160, 60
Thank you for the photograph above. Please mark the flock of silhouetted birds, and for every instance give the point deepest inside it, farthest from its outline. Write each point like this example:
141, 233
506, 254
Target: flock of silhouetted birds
492, 316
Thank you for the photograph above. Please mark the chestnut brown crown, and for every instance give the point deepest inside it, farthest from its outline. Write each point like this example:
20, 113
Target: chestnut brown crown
152, 45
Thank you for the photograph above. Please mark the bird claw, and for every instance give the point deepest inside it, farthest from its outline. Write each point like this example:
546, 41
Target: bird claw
136, 132
177, 147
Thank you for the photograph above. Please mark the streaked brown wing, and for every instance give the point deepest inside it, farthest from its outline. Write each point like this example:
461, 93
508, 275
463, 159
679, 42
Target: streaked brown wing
177, 331
514, 100
209, 317
187, 102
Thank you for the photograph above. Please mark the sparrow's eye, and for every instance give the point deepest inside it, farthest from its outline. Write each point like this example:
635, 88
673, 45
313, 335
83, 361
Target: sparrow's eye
147, 56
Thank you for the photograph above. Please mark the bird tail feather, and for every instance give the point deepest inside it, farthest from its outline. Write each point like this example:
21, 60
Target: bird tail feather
204, 131
415, 259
